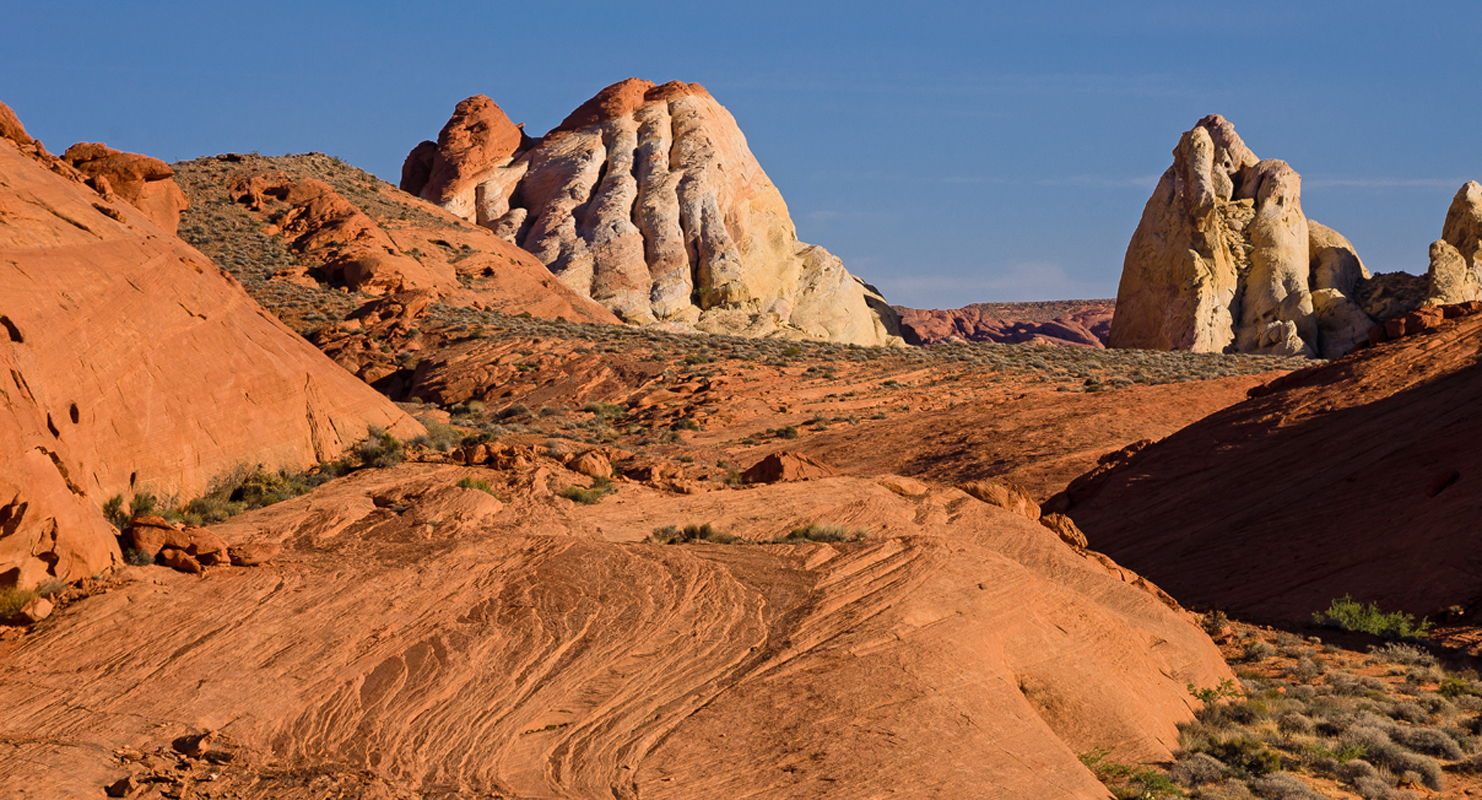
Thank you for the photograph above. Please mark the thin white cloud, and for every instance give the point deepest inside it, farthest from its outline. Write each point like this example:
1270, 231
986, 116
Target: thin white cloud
1387, 183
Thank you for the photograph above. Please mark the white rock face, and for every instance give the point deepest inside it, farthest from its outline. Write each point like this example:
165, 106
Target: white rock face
648, 200
1224, 260
1455, 274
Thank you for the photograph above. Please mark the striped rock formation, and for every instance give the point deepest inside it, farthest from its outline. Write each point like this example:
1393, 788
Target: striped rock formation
648, 200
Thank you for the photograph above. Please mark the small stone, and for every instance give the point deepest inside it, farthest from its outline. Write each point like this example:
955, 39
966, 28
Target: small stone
123, 787
37, 609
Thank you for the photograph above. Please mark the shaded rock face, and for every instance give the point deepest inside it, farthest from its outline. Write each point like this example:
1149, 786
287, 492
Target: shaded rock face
1224, 260
648, 200
128, 363
1455, 274
1361, 474
140, 181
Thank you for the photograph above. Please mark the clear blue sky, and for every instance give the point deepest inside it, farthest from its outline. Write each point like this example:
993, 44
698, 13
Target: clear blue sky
949, 152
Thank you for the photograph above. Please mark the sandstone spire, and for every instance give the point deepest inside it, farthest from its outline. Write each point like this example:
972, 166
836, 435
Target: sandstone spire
1225, 260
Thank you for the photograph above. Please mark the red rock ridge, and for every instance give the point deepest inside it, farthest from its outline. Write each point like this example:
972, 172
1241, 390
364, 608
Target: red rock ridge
1081, 323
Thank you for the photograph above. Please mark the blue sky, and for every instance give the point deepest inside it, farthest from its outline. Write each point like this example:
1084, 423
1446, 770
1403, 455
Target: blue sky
949, 152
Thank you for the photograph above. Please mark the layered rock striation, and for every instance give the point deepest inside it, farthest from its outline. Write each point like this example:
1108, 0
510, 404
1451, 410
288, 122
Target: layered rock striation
1224, 260
129, 363
1080, 323
648, 200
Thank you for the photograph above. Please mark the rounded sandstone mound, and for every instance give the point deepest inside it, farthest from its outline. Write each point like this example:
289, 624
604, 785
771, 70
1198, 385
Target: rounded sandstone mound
648, 200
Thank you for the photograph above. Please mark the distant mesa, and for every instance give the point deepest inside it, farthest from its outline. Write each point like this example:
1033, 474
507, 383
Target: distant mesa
1224, 260
1078, 323
648, 200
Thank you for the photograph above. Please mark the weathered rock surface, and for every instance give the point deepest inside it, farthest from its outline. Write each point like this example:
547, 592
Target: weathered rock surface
1357, 477
130, 363
577, 661
143, 182
1455, 274
1224, 260
647, 200
1082, 323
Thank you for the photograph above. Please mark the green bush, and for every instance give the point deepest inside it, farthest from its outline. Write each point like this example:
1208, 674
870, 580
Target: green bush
670, 534
601, 487
822, 532
1129, 781
380, 449
474, 483
790, 432
1351, 615
11, 600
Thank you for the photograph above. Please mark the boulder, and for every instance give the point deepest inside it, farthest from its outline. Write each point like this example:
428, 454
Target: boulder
648, 200
36, 609
785, 466
181, 560
592, 464
143, 182
152, 534
202, 542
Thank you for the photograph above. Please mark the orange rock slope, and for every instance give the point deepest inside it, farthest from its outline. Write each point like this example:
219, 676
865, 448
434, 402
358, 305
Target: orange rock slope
1358, 477
433, 640
132, 364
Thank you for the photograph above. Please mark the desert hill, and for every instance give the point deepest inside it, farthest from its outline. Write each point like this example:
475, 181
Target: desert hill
647, 199
1349, 478
134, 365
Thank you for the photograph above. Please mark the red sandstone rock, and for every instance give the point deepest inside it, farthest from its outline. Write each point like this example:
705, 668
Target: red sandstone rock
141, 181
1008, 496
1065, 528
181, 560
130, 363
477, 137
785, 466
153, 538
592, 464
254, 554
203, 542
36, 609
1082, 323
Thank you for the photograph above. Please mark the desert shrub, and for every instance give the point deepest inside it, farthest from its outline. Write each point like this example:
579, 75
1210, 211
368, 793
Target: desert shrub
142, 503
685, 424
790, 432
380, 449
1245, 756
1372, 787
12, 598
1258, 650
822, 532
1194, 769
1281, 786
1453, 686
1296, 724
1427, 740
513, 411
603, 410
1434, 703
1408, 712
474, 483
439, 437
1129, 781
136, 557
1425, 768
1305, 669
1351, 615
1424, 673
113, 511
1225, 690
1401, 653
670, 534
600, 488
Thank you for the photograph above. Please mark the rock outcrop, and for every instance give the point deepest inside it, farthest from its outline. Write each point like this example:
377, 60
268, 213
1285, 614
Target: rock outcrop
648, 200
1455, 274
129, 363
1225, 260
143, 182
1357, 477
578, 661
